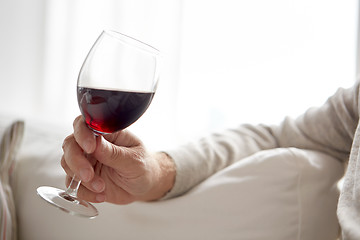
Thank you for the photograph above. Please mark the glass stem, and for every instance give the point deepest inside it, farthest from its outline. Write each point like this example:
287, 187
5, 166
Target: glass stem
73, 187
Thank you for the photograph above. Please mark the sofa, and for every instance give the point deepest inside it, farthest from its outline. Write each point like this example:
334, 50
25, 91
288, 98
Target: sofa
278, 194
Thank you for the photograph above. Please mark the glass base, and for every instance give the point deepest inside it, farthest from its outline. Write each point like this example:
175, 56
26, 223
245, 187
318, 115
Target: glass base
67, 203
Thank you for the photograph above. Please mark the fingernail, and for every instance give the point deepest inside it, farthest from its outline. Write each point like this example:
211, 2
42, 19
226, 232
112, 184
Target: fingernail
85, 174
100, 198
98, 185
87, 146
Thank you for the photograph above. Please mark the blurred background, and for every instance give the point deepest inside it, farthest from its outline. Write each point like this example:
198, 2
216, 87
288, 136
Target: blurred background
226, 62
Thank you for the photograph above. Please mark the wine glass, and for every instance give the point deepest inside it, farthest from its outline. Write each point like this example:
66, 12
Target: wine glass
116, 85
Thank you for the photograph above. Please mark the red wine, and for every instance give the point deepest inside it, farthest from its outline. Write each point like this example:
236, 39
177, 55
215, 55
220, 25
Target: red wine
108, 111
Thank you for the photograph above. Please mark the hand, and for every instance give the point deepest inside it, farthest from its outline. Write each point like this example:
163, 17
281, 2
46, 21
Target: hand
116, 167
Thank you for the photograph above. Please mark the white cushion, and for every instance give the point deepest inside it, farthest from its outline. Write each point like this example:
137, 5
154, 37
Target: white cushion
278, 194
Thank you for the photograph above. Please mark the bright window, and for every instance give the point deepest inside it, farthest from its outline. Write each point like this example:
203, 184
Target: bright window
257, 61
226, 62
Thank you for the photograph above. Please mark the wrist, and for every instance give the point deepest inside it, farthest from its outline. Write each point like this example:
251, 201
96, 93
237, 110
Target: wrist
165, 176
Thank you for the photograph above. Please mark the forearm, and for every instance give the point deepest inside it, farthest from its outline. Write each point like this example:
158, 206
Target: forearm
197, 161
329, 128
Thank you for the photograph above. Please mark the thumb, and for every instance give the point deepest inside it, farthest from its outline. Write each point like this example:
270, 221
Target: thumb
118, 157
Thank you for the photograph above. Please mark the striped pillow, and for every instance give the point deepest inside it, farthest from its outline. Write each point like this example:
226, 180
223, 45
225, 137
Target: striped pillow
9, 145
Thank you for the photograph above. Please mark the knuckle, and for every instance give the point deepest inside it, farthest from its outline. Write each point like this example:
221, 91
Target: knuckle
115, 152
140, 162
76, 120
65, 167
67, 141
140, 156
63, 163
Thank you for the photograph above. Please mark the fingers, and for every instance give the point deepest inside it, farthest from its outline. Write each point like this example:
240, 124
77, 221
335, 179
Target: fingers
66, 168
88, 195
91, 191
83, 135
96, 184
74, 161
126, 147
91, 159
74, 146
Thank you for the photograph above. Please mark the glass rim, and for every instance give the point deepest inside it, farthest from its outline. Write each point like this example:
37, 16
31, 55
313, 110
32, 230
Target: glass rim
132, 41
